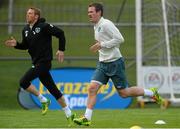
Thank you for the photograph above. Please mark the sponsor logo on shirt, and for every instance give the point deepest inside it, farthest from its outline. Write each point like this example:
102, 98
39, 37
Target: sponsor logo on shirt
51, 25
26, 33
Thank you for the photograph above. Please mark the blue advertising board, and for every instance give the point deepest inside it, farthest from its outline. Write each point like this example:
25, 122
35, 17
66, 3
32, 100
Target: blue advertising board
74, 83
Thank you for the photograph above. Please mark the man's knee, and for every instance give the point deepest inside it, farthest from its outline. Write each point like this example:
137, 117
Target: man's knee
24, 84
93, 89
123, 93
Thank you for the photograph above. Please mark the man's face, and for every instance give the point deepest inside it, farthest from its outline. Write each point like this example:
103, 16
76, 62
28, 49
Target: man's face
93, 15
30, 16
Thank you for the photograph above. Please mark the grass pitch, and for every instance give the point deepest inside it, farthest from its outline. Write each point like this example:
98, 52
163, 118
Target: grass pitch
101, 118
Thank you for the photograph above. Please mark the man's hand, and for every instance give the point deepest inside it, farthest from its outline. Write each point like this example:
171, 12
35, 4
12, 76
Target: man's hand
94, 48
11, 42
60, 55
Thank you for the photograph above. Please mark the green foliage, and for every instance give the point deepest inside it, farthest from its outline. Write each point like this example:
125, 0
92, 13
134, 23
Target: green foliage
79, 39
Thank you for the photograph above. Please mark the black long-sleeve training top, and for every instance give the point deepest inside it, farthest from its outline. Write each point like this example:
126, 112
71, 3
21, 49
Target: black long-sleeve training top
38, 40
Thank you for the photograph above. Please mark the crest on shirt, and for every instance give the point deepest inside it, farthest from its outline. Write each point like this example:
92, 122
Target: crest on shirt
37, 30
26, 33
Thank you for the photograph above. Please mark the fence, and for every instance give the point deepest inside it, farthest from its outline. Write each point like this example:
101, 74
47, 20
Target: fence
71, 16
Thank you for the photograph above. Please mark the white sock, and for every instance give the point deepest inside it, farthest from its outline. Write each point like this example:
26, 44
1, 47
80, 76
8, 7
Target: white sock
88, 113
67, 111
148, 93
42, 98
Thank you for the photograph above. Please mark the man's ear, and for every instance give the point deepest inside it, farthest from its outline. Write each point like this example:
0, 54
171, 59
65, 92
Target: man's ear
37, 17
99, 12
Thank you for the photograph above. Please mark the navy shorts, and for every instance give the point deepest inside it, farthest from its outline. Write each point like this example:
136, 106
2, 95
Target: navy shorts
111, 70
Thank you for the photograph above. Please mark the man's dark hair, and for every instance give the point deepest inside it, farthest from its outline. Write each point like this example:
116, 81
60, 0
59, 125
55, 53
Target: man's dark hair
98, 7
